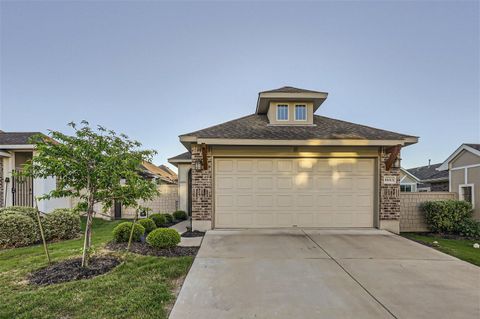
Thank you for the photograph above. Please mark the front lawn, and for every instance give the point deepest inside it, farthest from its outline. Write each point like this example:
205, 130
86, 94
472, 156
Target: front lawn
460, 248
141, 287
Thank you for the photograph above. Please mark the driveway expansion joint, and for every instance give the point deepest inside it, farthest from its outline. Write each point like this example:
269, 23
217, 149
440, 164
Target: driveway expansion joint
351, 276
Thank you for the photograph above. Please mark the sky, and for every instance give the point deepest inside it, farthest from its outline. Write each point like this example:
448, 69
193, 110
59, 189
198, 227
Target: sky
154, 70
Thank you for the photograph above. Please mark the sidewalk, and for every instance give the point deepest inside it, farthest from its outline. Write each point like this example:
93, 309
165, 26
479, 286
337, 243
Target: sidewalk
186, 241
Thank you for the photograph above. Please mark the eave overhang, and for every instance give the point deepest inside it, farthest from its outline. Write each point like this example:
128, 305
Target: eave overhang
188, 140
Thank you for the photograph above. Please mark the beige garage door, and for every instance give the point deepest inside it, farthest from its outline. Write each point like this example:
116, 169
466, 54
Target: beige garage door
262, 193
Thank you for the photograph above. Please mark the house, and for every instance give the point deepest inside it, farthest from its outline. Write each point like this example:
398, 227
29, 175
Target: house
463, 167
284, 166
15, 150
424, 179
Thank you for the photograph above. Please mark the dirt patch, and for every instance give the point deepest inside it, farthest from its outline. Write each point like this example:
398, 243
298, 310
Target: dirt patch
71, 269
145, 249
195, 233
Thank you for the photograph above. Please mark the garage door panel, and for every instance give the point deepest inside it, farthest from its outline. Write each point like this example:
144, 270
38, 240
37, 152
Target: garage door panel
294, 192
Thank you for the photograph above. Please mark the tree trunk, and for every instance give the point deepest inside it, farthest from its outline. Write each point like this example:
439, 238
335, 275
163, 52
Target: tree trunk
88, 236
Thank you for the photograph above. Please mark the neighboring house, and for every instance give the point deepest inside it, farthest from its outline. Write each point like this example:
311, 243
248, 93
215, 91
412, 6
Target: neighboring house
464, 169
424, 179
283, 166
167, 199
15, 150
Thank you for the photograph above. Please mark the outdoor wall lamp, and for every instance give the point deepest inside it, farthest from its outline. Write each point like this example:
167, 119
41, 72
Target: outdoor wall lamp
198, 164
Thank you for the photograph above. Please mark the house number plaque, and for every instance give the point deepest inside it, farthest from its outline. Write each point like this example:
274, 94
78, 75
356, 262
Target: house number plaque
389, 179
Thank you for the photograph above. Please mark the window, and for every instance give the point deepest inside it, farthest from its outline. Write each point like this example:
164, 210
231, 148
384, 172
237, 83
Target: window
300, 112
466, 193
406, 188
282, 112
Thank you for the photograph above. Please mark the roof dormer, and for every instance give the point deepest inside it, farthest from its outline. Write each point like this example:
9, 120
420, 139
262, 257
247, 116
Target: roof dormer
289, 105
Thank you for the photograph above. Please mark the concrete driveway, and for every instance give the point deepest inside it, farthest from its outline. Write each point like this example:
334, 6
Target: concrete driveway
325, 274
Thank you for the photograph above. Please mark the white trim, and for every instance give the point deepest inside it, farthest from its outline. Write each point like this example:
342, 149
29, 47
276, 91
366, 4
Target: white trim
462, 147
277, 109
295, 112
449, 181
466, 166
313, 142
18, 147
473, 192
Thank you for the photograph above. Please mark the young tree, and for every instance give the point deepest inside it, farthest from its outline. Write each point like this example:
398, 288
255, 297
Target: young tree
95, 166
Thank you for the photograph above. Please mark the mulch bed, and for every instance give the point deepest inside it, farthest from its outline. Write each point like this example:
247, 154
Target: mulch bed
195, 233
70, 269
145, 249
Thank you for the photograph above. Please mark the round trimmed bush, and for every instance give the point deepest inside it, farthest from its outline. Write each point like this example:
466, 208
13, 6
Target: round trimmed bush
27, 211
180, 215
163, 238
158, 219
168, 217
121, 232
62, 223
17, 230
148, 224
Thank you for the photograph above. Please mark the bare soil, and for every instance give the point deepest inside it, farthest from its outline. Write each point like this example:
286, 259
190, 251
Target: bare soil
195, 233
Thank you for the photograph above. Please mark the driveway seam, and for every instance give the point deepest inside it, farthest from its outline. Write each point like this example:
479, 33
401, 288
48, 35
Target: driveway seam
351, 276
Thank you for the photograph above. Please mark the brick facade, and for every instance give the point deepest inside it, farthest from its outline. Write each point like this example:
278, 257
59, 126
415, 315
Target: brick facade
411, 217
202, 184
389, 197
439, 187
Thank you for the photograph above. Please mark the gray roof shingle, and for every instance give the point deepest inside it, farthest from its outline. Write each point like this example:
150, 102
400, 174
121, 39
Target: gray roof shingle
16, 138
475, 146
183, 156
290, 89
256, 126
428, 172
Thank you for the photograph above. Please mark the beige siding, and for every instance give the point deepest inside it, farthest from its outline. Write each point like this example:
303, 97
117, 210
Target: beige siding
407, 179
290, 151
272, 113
474, 178
411, 217
465, 158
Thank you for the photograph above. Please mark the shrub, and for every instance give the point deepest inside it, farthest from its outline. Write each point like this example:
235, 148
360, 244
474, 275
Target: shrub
121, 232
158, 219
148, 224
62, 223
23, 210
469, 228
180, 215
163, 238
168, 218
444, 216
17, 230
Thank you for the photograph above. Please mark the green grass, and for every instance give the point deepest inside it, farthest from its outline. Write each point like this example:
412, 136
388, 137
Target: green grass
140, 287
460, 248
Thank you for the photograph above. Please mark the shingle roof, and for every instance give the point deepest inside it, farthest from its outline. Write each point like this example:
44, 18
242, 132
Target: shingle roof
475, 146
183, 156
428, 172
256, 126
16, 138
290, 89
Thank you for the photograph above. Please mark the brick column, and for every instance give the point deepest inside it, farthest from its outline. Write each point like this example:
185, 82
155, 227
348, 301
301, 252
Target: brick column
389, 197
202, 190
